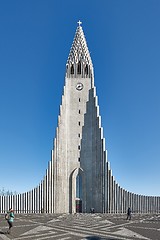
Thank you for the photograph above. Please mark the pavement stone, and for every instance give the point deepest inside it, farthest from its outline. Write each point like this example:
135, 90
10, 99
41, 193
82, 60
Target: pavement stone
81, 227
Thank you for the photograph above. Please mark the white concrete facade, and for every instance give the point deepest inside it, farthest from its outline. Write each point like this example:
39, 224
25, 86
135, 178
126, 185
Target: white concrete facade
79, 157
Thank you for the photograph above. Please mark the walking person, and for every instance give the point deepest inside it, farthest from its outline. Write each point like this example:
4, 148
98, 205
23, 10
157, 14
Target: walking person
10, 218
129, 213
92, 210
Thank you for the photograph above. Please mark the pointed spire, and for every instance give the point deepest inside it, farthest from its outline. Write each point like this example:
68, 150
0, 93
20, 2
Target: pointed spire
79, 61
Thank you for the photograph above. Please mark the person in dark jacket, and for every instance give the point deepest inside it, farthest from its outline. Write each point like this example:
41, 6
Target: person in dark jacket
129, 213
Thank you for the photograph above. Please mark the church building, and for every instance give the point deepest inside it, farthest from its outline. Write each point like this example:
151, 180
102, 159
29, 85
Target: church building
79, 177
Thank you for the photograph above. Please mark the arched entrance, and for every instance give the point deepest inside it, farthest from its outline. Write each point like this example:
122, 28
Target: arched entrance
77, 191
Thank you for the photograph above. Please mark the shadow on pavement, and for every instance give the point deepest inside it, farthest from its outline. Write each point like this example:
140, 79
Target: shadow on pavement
98, 238
93, 238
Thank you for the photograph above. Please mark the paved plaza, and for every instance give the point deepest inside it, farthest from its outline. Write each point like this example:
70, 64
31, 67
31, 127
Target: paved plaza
81, 227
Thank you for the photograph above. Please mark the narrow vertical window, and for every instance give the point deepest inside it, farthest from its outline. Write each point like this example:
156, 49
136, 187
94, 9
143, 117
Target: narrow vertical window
78, 159
72, 69
79, 111
79, 135
79, 148
86, 70
79, 68
79, 123
79, 99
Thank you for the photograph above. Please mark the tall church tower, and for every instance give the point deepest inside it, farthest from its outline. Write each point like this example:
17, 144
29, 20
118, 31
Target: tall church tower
79, 152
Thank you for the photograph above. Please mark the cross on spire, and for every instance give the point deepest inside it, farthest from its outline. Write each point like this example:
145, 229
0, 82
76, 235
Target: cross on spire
79, 22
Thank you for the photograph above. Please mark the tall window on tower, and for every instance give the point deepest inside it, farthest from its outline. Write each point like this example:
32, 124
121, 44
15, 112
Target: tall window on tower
72, 69
79, 186
79, 68
86, 70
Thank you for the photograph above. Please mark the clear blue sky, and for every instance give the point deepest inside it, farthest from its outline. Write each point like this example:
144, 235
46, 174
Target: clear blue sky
124, 40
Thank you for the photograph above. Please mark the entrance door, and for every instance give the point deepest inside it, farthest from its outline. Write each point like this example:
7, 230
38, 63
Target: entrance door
78, 205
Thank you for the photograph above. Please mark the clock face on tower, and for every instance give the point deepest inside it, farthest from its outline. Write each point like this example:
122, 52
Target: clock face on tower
79, 86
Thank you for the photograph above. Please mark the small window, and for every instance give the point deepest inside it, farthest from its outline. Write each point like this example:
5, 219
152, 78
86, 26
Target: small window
78, 159
79, 147
79, 99
79, 135
79, 111
79, 123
